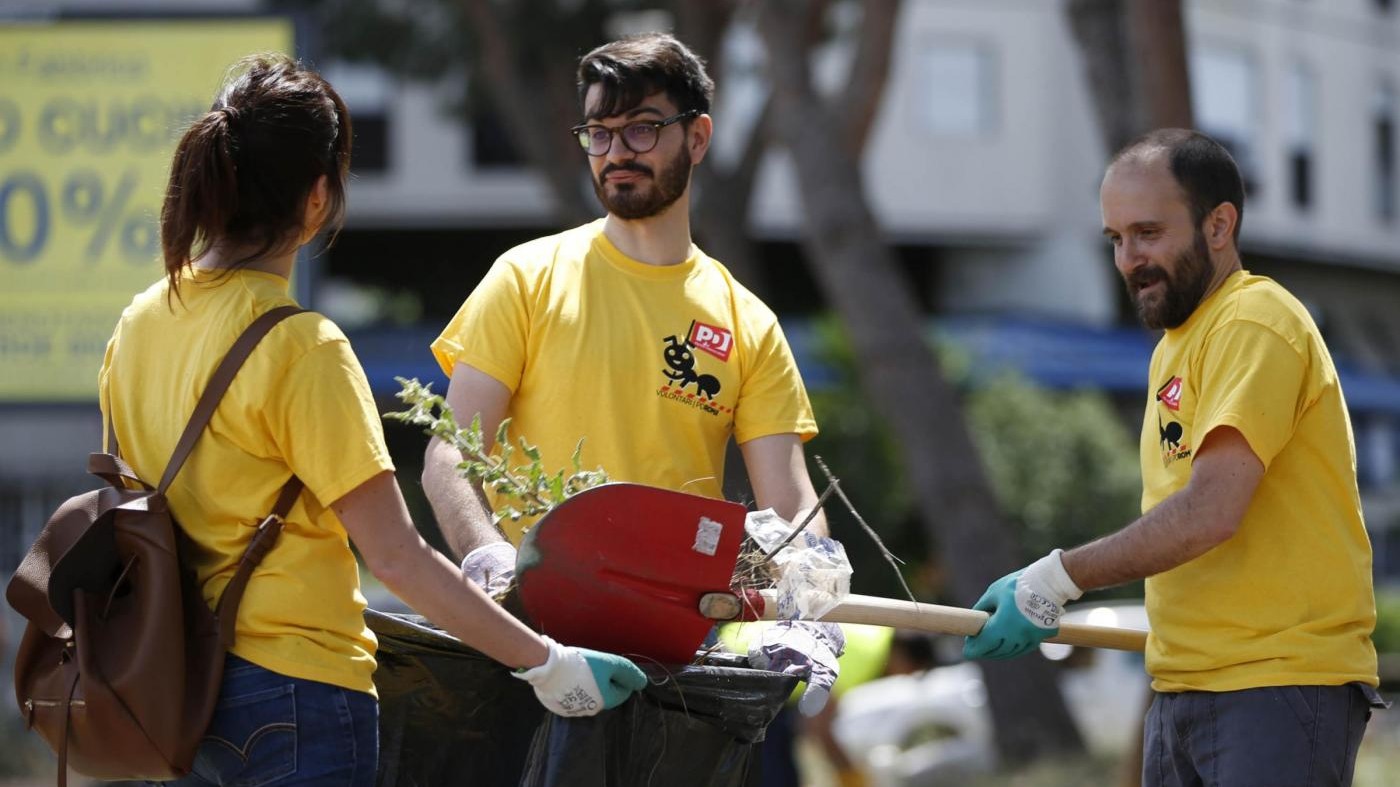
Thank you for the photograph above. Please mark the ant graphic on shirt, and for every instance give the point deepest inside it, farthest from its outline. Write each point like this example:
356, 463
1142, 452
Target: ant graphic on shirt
682, 363
1170, 434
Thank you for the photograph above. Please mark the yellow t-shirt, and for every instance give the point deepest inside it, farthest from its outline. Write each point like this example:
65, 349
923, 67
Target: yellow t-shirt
301, 404
654, 366
1288, 599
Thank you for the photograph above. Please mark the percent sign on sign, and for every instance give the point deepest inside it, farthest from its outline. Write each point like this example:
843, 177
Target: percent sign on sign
106, 215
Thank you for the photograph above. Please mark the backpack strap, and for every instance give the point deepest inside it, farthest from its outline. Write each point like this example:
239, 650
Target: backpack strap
263, 538
218, 384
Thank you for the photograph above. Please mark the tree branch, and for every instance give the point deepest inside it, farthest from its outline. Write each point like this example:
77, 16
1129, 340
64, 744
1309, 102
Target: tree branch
865, 86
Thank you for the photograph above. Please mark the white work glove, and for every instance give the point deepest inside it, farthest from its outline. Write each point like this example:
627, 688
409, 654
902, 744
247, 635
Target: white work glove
1044, 588
491, 567
807, 649
1025, 608
581, 682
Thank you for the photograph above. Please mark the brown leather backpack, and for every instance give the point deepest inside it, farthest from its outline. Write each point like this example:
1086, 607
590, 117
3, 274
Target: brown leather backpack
121, 660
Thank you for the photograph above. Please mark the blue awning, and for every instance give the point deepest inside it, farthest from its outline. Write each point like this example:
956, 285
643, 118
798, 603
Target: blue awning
1053, 354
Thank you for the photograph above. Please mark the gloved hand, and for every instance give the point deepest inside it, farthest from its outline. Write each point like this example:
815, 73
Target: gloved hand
491, 567
1025, 609
581, 682
807, 649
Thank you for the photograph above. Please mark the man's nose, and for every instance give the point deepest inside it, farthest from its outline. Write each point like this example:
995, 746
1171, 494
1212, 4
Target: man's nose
618, 150
1127, 257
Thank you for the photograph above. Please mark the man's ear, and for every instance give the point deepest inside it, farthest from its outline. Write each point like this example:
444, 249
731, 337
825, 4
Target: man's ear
1219, 225
697, 137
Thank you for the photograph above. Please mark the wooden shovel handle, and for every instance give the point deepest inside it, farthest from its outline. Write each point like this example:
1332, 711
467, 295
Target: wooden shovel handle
934, 618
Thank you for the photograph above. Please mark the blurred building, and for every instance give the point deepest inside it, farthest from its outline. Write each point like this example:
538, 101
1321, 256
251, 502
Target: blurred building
983, 168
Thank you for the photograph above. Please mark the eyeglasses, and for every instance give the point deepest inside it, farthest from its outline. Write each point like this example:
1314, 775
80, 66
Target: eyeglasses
639, 136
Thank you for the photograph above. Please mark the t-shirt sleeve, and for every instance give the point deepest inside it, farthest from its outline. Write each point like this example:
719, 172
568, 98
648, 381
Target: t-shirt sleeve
1255, 381
104, 382
772, 399
325, 423
491, 329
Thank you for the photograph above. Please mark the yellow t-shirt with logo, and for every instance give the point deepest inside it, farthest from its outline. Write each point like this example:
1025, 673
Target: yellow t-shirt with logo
653, 366
300, 404
1288, 599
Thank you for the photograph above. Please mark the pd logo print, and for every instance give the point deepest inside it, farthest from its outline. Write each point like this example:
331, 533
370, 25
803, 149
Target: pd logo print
1171, 434
713, 340
689, 384
1170, 394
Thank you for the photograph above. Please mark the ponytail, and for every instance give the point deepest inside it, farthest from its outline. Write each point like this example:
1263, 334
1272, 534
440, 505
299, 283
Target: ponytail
203, 190
242, 172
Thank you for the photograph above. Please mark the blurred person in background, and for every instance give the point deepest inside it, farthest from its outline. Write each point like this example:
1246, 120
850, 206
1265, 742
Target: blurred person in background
624, 333
872, 652
253, 180
1258, 565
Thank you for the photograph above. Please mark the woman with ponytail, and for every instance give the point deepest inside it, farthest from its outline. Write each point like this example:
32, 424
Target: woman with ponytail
253, 180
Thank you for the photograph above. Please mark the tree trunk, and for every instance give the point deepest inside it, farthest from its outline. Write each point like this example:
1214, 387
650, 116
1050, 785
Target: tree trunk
722, 193
1134, 58
1159, 63
540, 107
898, 370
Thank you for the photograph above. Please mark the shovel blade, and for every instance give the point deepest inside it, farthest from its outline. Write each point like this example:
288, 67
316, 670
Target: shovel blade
622, 567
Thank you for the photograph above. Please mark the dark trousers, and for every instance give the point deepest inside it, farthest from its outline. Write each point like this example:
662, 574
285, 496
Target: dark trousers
1276, 736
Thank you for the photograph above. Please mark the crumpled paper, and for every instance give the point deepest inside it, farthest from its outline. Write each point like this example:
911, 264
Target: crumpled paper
813, 572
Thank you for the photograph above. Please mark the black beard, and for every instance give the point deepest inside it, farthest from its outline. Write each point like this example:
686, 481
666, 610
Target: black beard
1182, 292
633, 201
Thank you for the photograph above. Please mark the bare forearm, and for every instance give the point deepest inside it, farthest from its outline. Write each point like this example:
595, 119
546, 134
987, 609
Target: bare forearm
377, 521
778, 473
432, 586
797, 512
1169, 535
461, 509
1184, 526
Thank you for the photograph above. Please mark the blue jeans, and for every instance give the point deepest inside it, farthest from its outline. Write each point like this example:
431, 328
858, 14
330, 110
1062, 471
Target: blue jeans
270, 730
1276, 736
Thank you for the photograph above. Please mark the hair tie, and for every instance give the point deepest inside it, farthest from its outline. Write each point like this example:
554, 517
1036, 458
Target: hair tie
230, 114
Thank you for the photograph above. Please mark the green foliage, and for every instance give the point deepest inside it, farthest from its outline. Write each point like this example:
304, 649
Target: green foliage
1387, 633
1062, 464
860, 450
533, 490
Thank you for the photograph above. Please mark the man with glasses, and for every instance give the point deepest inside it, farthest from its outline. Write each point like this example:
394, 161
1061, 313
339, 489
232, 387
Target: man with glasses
623, 333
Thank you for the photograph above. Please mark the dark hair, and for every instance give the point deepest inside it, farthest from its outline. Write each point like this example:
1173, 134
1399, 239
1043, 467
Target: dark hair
242, 172
635, 67
1204, 169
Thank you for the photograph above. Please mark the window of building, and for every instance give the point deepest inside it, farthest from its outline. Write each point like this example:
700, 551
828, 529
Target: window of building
1224, 85
365, 90
492, 144
958, 82
1383, 116
1300, 133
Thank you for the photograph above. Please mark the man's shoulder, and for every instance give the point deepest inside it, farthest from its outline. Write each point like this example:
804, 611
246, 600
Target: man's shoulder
1263, 301
544, 252
746, 302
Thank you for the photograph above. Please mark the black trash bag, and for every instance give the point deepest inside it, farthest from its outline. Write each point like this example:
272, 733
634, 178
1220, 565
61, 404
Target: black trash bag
692, 727
448, 716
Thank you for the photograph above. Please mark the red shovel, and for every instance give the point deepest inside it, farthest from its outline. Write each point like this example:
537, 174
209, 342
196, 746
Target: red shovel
643, 571
622, 567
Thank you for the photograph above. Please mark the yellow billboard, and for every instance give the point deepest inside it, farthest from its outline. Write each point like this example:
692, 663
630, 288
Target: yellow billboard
90, 112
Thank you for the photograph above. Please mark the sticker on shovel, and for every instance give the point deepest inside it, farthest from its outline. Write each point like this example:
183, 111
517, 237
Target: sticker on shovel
707, 536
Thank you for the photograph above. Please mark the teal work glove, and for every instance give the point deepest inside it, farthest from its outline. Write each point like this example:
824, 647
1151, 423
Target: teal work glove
1025, 608
581, 682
